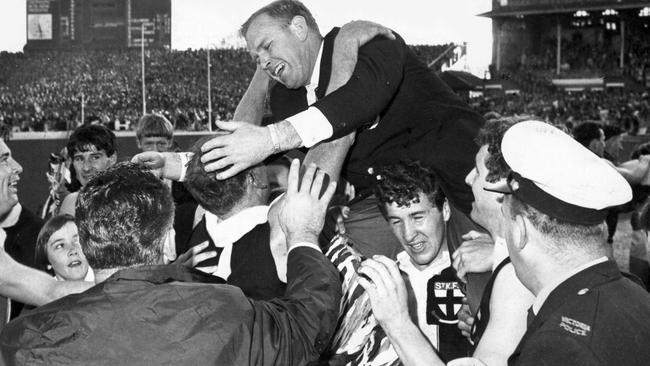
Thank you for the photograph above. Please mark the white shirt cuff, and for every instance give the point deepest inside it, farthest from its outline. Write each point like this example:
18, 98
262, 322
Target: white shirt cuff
185, 158
304, 244
312, 126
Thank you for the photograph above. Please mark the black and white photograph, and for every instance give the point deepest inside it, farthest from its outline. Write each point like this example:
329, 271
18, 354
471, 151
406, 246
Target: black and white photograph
312, 182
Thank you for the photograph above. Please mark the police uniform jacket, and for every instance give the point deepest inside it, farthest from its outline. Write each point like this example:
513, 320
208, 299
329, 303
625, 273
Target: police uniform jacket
153, 315
596, 317
403, 111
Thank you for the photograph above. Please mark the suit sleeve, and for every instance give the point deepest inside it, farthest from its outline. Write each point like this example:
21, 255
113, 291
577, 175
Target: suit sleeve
375, 81
296, 329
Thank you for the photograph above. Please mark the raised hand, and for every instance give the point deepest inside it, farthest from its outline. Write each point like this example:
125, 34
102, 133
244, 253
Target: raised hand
245, 146
475, 254
383, 282
195, 255
465, 320
302, 213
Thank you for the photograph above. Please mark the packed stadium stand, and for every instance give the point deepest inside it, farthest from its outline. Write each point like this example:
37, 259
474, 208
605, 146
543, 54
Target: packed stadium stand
571, 61
42, 91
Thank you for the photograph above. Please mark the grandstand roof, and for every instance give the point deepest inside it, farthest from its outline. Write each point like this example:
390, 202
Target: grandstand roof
556, 7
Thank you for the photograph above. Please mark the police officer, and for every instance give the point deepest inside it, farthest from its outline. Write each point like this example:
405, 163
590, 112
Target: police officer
585, 312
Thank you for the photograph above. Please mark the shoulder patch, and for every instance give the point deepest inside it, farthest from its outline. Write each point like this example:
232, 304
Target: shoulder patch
574, 327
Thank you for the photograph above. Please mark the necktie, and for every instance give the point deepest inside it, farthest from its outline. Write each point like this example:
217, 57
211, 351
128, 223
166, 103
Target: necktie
530, 317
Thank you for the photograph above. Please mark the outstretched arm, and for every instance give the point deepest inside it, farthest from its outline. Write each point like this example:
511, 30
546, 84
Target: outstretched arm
635, 171
297, 328
31, 286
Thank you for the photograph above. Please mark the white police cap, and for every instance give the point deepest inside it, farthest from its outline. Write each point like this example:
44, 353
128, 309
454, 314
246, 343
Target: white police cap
558, 176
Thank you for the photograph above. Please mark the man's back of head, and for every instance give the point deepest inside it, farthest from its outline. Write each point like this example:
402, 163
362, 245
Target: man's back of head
221, 197
123, 215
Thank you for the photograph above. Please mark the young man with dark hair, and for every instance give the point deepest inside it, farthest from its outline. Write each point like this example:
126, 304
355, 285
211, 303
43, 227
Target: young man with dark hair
147, 313
411, 200
92, 149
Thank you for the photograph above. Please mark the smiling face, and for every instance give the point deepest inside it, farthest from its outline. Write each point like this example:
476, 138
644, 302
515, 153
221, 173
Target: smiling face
90, 162
9, 176
420, 229
64, 254
486, 208
281, 49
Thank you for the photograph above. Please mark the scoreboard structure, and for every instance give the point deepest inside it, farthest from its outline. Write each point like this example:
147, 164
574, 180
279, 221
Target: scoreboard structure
98, 24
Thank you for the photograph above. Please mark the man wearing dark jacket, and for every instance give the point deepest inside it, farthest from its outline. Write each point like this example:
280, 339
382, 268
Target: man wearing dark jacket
141, 312
20, 225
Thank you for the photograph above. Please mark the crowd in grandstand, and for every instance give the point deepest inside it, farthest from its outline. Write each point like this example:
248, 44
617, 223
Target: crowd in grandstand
416, 228
628, 109
44, 91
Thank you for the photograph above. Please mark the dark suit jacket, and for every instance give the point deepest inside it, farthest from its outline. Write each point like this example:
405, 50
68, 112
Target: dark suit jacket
21, 238
252, 265
596, 317
419, 117
152, 315
21, 246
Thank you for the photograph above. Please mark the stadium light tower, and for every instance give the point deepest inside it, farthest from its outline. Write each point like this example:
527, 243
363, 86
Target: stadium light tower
209, 92
144, 99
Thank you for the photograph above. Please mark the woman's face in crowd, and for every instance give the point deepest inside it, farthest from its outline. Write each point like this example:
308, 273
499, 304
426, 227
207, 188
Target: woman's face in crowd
64, 254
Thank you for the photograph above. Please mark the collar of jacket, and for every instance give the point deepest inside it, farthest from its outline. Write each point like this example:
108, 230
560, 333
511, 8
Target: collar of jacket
326, 63
159, 274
